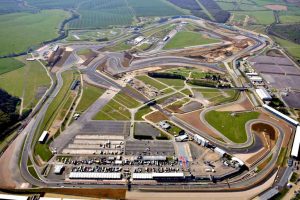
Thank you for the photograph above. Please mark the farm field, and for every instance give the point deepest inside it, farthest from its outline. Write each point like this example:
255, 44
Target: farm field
258, 17
100, 13
231, 125
38, 27
152, 82
186, 39
28, 82
90, 95
287, 31
113, 111
9, 64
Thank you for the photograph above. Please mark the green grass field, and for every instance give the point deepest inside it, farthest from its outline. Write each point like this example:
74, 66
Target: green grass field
171, 82
102, 13
292, 48
152, 82
31, 80
90, 95
9, 64
121, 46
19, 31
126, 100
141, 112
186, 39
231, 126
113, 111
264, 17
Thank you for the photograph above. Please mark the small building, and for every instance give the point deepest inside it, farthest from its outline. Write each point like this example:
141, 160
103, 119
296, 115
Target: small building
43, 137
181, 138
164, 125
296, 144
219, 151
250, 74
138, 40
256, 79
58, 169
237, 160
151, 158
200, 140
263, 94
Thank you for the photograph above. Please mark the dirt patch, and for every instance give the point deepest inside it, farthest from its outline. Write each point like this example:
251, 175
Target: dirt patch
274, 53
288, 130
243, 106
265, 128
276, 7
156, 117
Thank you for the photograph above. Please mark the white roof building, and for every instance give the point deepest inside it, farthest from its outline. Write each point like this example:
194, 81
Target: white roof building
263, 94
94, 175
145, 176
256, 78
164, 125
219, 151
281, 115
12, 197
43, 136
181, 138
58, 169
161, 158
296, 143
138, 40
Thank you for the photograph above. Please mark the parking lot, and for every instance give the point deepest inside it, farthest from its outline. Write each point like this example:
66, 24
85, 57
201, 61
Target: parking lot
146, 129
138, 147
106, 128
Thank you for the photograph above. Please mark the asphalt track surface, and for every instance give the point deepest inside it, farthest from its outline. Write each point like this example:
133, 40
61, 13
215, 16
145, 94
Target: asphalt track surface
33, 124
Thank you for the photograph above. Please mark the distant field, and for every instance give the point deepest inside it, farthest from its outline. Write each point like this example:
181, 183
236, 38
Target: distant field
31, 80
186, 39
258, 17
102, 13
90, 95
19, 31
231, 126
9, 64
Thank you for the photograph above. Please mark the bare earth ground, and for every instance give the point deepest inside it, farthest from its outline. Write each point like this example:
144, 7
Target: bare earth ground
245, 105
276, 7
193, 118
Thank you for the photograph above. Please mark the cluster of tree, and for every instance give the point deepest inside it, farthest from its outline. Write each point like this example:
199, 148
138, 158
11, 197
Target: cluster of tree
166, 75
8, 107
